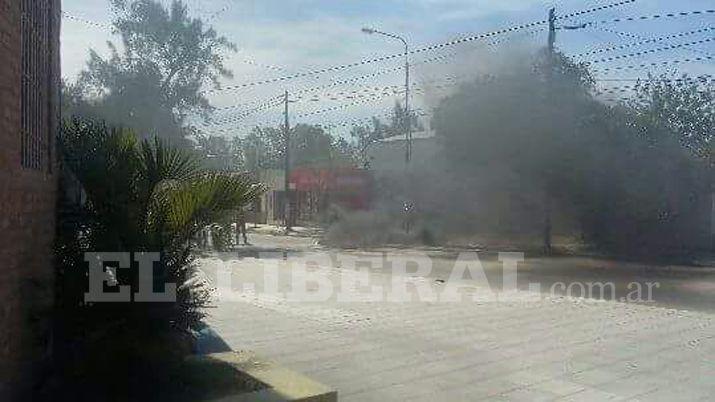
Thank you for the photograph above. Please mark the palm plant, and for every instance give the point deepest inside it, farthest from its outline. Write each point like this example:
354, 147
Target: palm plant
138, 197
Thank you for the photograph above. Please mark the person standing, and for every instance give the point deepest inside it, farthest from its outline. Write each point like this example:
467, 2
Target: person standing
241, 227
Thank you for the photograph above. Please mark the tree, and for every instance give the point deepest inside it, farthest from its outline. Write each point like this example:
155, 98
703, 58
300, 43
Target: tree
678, 115
155, 82
311, 146
263, 148
633, 179
220, 153
684, 108
364, 136
399, 121
507, 139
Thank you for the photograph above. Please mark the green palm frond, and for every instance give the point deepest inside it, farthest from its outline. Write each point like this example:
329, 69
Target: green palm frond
204, 199
162, 170
148, 197
148, 192
160, 163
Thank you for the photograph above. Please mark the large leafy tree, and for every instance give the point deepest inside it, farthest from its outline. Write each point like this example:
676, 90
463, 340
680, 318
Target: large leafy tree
677, 118
157, 77
630, 178
364, 136
310, 145
220, 153
507, 139
400, 121
682, 108
263, 148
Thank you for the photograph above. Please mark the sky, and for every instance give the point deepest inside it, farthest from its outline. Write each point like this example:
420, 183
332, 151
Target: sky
283, 37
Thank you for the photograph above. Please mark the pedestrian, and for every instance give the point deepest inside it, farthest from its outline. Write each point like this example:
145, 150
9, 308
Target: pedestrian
241, 227
408, 208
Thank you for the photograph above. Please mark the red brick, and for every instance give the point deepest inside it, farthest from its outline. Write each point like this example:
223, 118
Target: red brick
27, 219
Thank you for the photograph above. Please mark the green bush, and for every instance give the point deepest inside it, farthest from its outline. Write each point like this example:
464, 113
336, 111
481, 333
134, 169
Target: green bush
122, 195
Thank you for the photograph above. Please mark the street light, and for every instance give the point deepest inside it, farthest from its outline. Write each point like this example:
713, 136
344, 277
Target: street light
408, 115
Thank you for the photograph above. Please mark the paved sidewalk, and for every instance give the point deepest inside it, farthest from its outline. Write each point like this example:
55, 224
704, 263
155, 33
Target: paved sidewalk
522, 350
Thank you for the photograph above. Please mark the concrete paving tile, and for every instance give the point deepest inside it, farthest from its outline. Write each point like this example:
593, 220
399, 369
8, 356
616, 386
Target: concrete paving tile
590, 395
563, 348
631, 386
559, 387
526, 395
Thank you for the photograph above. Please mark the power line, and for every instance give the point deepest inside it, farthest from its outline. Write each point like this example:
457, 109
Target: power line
650, 51
644, 42
458, 41
610, 90
337, 83
240, 105
342, 67
623, 89
635, 36
302, 91
344, 95
396, 91
262, 65
526, 34
416, 51
271, 105
654, 64
360, 121
246, 113
595, 9
320, 111
86, 21
651, 17
351, 94
700, 78
631, 88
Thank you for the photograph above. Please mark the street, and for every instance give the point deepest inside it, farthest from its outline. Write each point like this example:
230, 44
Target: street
525, 347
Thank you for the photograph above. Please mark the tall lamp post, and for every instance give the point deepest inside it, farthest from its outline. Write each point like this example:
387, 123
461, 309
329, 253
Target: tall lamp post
408, 115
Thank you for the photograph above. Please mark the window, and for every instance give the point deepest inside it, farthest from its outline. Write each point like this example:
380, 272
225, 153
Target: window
36, 92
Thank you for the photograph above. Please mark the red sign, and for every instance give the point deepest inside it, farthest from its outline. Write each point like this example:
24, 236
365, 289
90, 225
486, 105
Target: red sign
350, 187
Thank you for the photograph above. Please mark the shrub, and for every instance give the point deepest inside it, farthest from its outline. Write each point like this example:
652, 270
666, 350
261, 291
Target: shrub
122, 195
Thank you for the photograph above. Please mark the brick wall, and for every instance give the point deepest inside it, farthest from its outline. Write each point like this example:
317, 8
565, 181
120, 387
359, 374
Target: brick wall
27, 215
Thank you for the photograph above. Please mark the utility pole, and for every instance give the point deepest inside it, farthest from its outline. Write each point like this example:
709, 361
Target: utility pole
550, 65
408, 205
549, 82
287, 214
552, 30
712, 199
408, 115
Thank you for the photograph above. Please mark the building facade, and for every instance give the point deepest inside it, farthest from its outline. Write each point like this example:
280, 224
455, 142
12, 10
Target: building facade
314, 191
387, 156
29, 120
